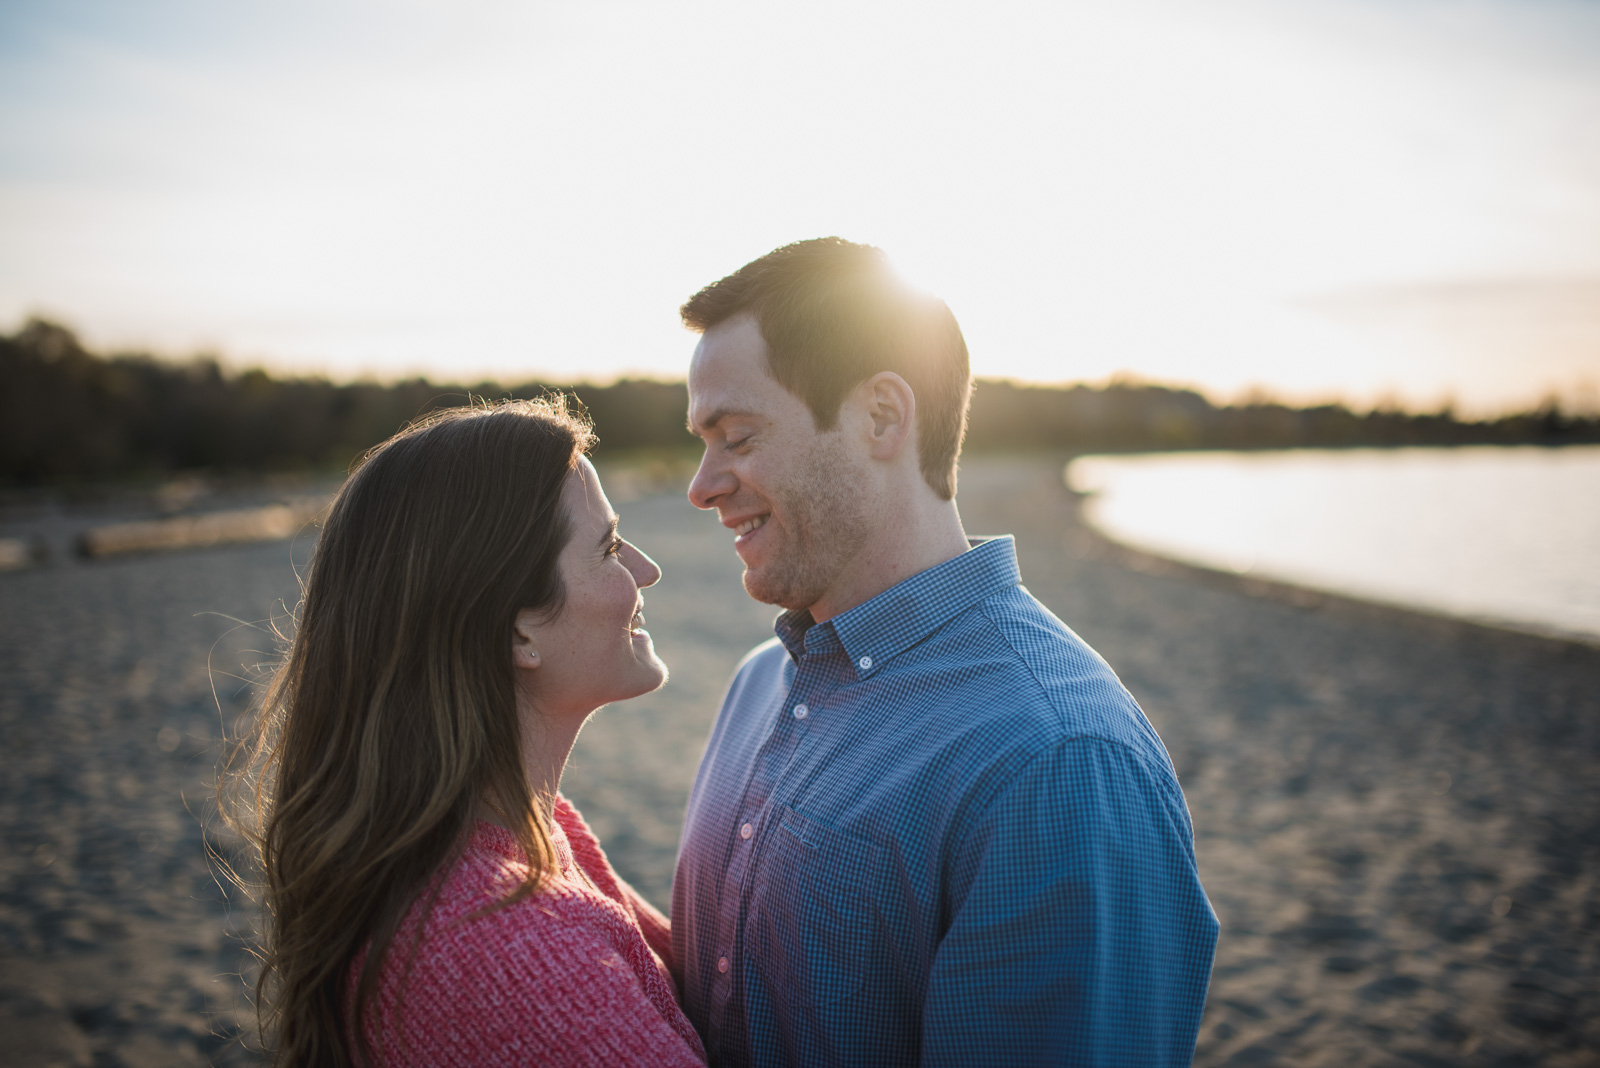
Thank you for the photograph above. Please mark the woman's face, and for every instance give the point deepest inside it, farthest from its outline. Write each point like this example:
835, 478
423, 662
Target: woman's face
596, 650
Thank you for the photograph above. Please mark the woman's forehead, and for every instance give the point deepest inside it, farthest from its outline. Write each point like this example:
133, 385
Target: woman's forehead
585, 498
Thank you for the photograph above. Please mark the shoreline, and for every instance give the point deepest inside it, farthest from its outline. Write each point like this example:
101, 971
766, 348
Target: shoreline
1092, 541
1500, 537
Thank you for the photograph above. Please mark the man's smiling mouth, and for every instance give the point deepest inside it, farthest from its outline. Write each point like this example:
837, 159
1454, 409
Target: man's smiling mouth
748, 525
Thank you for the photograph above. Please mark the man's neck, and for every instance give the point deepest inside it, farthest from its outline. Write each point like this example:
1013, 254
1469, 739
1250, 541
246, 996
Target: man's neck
894, 552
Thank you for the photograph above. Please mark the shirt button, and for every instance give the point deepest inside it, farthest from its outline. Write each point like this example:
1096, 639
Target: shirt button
801, 711
864, 663
746, 831
722, 964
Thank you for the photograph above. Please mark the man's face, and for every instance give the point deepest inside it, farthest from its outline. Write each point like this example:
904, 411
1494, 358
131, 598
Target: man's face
794, 498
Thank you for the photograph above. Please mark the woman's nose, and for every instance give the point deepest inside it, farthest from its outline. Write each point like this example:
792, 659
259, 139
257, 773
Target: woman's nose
645, 571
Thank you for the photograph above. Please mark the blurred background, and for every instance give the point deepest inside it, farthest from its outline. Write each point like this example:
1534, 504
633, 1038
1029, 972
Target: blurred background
1286, 319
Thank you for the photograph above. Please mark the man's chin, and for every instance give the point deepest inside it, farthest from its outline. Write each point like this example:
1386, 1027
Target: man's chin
762, 588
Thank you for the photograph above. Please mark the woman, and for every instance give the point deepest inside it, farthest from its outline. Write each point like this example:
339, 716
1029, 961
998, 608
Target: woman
431, 898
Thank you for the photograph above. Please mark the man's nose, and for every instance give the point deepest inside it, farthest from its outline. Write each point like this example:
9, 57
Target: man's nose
711, 481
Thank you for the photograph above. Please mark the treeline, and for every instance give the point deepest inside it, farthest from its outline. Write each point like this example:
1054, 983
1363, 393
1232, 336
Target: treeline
67, 415
70, 416
1125, 417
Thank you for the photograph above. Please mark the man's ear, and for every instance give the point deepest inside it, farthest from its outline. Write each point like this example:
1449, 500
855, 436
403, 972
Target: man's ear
892, 407
524, 640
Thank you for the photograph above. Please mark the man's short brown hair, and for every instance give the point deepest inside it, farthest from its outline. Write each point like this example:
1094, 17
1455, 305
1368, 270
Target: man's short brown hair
833, 314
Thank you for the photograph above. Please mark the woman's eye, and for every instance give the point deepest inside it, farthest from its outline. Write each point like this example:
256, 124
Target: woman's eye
615, 547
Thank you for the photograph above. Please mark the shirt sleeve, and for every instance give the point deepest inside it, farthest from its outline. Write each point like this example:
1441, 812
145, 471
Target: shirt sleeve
557, 995
1080, 934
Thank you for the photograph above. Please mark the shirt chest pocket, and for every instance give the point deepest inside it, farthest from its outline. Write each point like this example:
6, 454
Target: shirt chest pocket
813, 924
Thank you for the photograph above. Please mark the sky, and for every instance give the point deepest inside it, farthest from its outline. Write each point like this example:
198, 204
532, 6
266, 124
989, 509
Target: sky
1377, 202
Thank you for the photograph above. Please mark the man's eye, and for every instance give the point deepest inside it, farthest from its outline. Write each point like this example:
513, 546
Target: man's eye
734, 443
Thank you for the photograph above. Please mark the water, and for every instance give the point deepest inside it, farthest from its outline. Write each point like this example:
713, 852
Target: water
1502, 535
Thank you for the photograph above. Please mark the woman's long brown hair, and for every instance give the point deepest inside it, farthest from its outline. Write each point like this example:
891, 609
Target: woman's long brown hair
392, 719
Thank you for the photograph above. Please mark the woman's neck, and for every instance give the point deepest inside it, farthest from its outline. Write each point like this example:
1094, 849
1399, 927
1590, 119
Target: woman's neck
544, 757
545, 749
548, 736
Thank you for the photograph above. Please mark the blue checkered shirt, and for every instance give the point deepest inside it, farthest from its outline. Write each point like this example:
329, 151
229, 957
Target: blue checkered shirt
937, 830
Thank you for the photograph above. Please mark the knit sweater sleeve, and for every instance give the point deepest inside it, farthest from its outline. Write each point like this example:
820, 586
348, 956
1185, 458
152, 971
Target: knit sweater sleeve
655, 927
553, 992
586, 851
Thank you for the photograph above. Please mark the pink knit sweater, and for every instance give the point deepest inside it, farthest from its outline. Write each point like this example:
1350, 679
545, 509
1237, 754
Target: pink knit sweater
574, 975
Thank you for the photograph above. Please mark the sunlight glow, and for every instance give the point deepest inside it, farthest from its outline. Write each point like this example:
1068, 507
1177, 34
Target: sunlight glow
1190, 193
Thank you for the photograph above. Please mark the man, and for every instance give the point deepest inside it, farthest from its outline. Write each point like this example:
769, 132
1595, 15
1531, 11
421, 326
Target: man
930, 826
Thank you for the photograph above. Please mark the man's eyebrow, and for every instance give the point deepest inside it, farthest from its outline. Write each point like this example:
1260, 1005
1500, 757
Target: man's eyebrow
716, 417
611, 532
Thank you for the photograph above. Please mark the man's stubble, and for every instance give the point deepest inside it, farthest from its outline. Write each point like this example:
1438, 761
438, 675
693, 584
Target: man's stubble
826, 520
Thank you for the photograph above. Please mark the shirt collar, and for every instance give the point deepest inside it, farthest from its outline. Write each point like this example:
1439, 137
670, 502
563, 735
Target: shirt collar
875, 631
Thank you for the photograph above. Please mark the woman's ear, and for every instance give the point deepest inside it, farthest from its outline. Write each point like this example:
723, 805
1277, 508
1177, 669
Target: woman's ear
524, 640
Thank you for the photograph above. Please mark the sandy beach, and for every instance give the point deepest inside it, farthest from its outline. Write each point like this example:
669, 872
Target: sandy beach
1397, 816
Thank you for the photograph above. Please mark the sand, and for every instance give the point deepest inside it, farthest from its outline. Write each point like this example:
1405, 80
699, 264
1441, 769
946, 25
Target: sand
1397, 817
